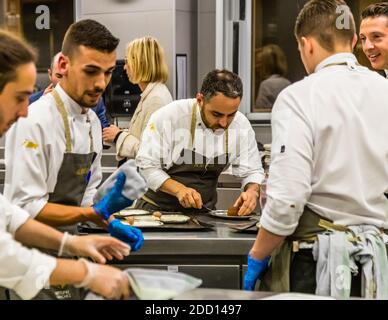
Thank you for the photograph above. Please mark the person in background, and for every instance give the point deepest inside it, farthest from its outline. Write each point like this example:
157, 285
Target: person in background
272, 64
326, 212
374, 35
189, 143
55, 76
59, 142
145, 65
22, 268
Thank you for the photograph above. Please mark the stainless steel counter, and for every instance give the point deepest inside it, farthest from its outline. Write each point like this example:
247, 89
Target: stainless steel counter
217, 256
219, 241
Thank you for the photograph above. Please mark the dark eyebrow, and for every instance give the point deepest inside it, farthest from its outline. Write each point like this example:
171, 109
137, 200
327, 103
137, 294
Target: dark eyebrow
24, 92
91, 66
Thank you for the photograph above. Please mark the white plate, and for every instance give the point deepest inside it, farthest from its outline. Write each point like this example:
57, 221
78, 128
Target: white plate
131, 212
174, 218
224, 215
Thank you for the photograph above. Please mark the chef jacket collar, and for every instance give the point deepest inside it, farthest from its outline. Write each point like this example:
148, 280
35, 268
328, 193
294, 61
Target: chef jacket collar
72, 107
337, 58
386, 73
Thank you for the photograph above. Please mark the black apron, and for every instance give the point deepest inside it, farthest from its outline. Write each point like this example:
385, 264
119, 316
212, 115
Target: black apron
193, 170
71, 184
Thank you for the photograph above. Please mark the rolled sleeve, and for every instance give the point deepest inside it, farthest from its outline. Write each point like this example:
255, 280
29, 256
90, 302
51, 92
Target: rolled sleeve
34, 207
18, 217
256, 177
154, 177
280, 217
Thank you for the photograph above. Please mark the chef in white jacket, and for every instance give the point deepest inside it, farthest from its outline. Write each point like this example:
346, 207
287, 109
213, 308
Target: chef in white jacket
60, 141
27, 270
189, 143
329, 167
59, 144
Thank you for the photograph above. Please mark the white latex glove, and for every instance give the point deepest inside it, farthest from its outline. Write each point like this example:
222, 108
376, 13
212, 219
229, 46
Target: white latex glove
109, 282
97, 248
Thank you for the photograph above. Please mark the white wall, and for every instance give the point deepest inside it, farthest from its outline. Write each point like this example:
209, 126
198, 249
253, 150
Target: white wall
186, 39
206, 38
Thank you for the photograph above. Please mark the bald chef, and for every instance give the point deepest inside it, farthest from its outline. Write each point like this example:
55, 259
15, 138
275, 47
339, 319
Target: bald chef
189, 143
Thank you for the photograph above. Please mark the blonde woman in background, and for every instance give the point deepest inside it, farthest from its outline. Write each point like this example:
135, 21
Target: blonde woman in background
145, 65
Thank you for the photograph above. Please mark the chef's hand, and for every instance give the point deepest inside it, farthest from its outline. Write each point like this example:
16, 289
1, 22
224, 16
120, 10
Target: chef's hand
189, 198
109, 133
246, 202
108, 282
114, 200
254, 272
131, 235
96, 247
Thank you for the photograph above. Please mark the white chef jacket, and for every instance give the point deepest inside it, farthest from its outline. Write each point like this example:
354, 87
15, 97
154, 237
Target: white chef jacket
168, 132
26, 271
386, 73
329, 148
34, 151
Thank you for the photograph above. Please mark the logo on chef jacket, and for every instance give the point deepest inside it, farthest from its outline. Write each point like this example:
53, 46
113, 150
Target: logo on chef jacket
82, 171
28, 144
152, 127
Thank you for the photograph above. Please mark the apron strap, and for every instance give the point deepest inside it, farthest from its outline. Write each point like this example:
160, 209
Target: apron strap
62, 111
193, 122
90, 133
192, 130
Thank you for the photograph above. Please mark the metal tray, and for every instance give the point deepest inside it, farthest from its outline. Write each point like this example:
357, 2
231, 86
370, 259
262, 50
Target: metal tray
192, 225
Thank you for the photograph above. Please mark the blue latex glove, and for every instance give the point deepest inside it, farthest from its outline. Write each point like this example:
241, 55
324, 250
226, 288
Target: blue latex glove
254, 272
131, 235
114, 200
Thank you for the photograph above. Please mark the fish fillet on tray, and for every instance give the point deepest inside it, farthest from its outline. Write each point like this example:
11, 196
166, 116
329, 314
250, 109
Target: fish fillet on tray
156, 220
131, 212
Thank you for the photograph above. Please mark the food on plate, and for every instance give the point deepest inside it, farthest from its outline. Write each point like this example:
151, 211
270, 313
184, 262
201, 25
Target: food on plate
157, 215
174, 218
130, 220
146, 223
131, 212
232, 211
